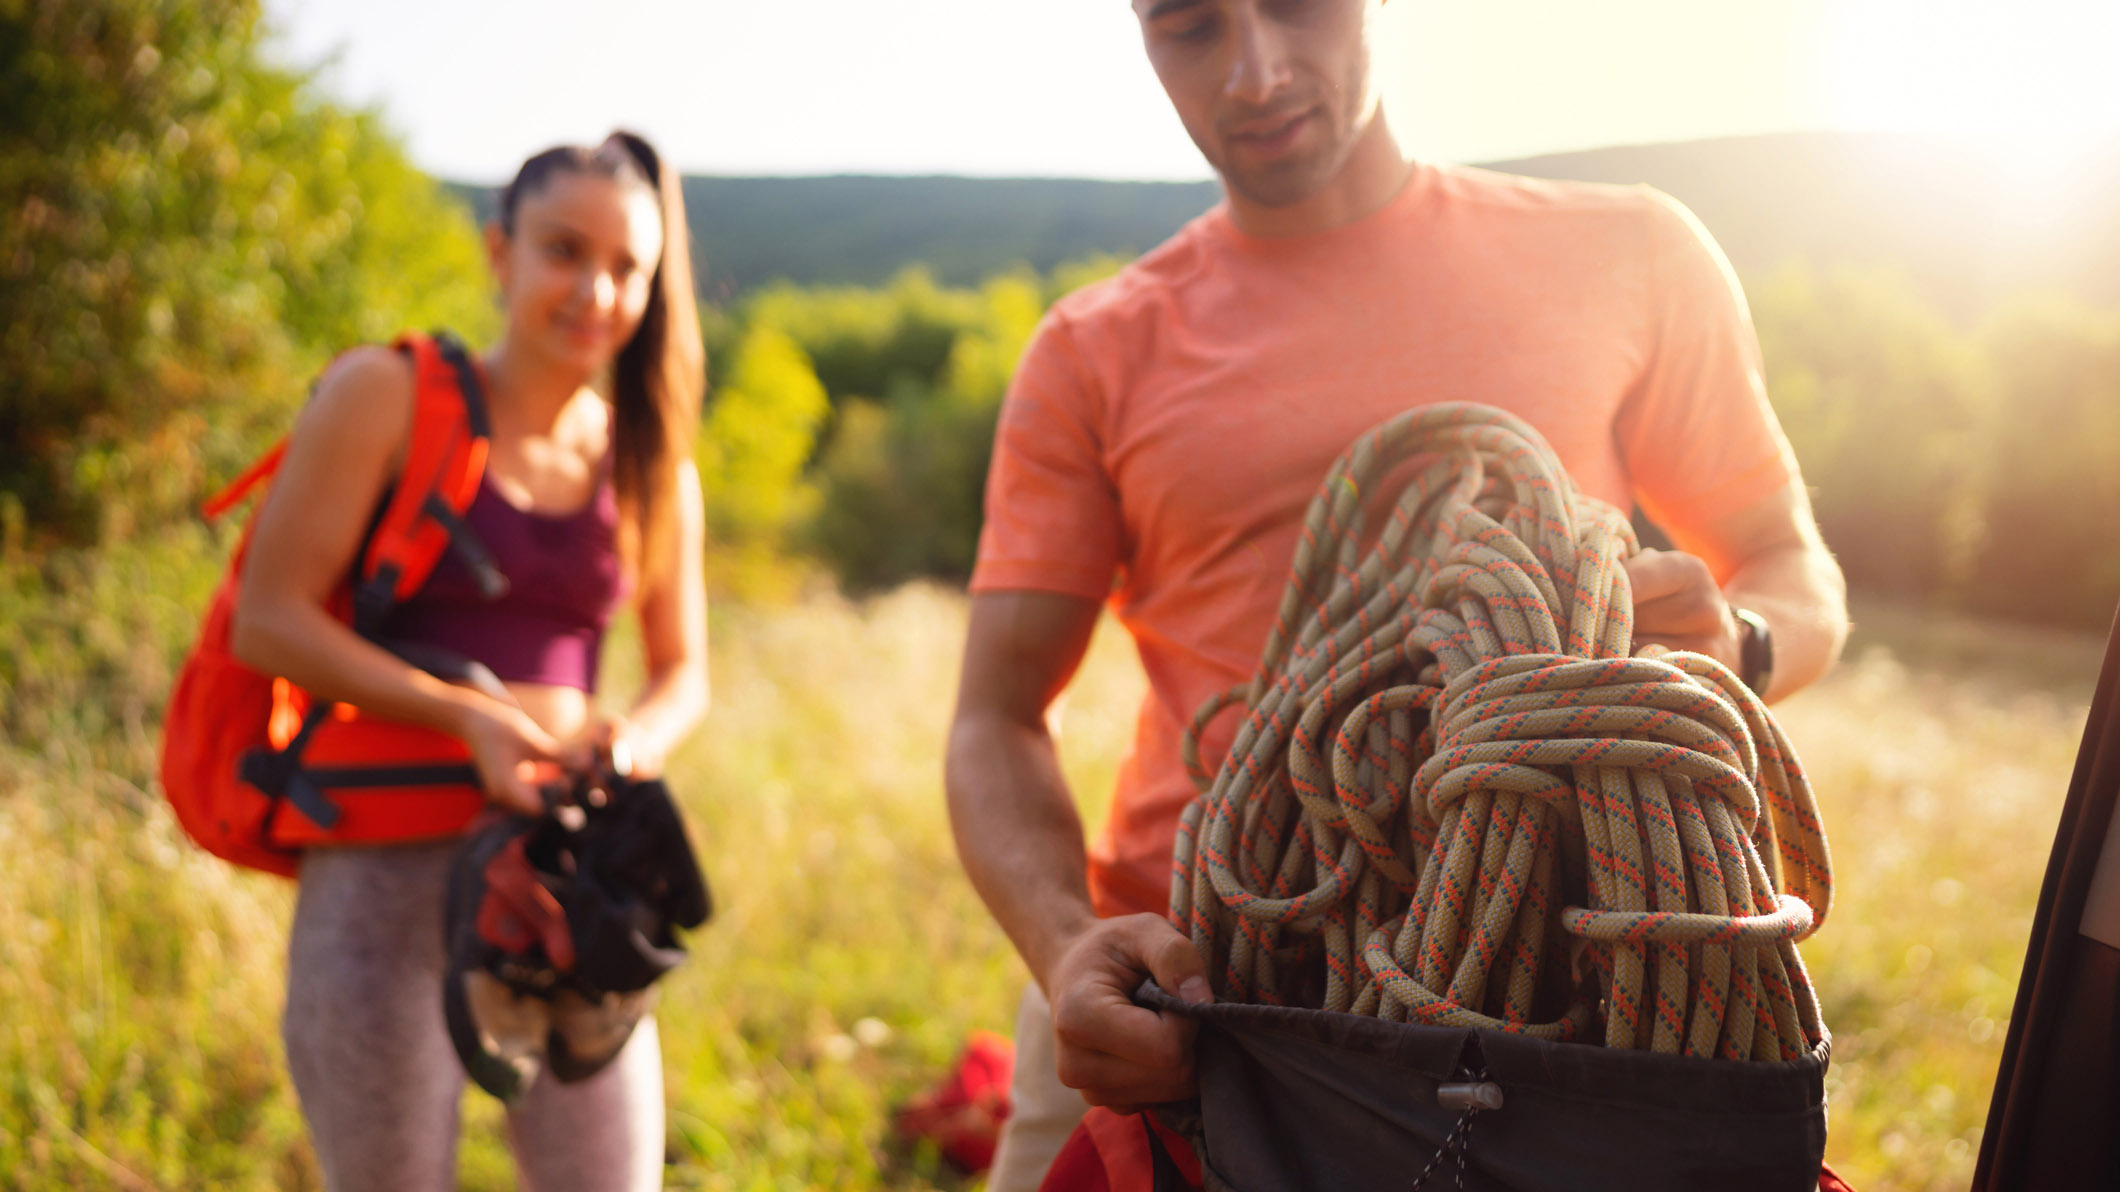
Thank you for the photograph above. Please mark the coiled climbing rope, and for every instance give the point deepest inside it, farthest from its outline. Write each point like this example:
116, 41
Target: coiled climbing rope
1457, 800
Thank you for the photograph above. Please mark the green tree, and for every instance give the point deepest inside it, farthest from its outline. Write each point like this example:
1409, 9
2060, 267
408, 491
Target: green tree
760, 430
1885, 404
866, 341
189, 233
2052, 499
904, 480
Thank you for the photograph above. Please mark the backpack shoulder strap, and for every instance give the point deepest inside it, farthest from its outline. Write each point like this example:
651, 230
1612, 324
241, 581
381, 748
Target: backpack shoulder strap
257, 473
444, 459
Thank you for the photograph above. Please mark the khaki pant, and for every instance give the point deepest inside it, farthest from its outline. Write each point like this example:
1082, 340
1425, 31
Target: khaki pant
1043, 1112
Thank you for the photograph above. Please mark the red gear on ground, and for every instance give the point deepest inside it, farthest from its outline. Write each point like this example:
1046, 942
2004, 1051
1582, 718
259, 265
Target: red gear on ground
962, 1116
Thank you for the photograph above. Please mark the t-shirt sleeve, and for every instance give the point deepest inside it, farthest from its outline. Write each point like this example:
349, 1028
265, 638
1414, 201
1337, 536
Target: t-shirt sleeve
1696, 432
1052, 514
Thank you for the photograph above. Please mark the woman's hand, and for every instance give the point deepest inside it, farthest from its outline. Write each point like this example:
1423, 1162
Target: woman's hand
514, 756
629, 751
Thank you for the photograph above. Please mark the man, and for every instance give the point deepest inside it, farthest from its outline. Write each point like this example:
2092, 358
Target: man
1167, 427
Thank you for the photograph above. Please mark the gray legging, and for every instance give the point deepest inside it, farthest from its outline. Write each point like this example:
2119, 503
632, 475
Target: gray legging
371, 1059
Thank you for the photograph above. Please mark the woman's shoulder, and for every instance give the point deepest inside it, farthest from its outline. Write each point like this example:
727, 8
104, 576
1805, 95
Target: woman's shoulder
368, 388
370, 372
361, 406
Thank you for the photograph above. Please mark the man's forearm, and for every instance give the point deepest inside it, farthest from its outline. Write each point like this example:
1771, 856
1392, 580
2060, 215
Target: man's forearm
1801, 593
1018, 835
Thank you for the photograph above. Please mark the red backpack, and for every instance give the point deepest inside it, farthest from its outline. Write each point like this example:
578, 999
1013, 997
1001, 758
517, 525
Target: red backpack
255, 768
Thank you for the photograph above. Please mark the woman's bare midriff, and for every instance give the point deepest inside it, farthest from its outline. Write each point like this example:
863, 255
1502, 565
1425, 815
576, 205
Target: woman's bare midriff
565, 712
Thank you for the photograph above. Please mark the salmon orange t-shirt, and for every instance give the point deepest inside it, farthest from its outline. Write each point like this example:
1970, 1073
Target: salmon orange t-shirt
1168, 426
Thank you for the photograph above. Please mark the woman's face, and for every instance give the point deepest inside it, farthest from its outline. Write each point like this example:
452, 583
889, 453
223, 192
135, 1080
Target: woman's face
575, 274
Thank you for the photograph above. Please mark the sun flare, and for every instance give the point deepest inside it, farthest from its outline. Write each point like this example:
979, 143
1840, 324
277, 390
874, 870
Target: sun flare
2029, 84
2037, 73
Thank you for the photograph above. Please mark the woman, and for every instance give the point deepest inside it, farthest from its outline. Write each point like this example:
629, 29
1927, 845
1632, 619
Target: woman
588, 497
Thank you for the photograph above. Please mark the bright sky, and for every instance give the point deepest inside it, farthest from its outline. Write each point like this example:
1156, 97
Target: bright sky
1060, 88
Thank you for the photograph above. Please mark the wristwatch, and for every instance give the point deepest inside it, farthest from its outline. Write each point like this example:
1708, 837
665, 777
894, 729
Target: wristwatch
1755, 650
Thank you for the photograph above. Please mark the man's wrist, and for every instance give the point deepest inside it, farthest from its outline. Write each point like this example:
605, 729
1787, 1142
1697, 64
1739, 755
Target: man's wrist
1059, 938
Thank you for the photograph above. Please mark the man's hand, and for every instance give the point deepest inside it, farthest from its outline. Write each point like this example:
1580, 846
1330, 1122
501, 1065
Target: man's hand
1116, 1053
1677, 604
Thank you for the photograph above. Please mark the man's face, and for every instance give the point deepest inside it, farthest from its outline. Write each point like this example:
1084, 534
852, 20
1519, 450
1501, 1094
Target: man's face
1274, 92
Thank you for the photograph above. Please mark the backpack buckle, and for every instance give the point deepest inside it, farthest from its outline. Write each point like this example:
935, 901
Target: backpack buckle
373, 598
279, 774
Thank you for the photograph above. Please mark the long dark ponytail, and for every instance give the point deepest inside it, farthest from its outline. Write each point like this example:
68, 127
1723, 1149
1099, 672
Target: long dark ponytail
659, 377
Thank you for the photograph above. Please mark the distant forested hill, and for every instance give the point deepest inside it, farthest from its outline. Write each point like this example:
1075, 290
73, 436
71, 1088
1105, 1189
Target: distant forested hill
1963, 230
861, 229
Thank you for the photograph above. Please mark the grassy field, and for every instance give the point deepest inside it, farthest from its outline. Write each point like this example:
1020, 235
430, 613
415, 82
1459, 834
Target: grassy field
140, 981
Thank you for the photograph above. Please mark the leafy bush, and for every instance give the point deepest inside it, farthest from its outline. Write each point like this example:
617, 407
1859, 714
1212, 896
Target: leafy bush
1885, 404
902, 485
904, 480
2051, 507
865, 341
194, 233
753, 450
1963, 467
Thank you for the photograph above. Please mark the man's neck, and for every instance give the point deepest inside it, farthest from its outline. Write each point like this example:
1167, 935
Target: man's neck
1372, 175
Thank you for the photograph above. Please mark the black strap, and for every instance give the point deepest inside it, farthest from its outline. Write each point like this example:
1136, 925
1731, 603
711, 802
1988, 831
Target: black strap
448, 666
278, 772
466, 545
467, 382
408, 774
469, 550
373, 598
270, 769
306, 788
303, 795
1167, 1176
473, 553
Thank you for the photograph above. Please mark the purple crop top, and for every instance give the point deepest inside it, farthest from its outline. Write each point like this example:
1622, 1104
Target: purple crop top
564, 582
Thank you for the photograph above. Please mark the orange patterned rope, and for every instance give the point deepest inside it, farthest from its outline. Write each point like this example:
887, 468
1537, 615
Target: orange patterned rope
1457, 800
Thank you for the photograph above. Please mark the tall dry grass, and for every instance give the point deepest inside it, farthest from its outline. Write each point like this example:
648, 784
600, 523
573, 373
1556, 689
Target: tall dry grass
1941, 754
140, 981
